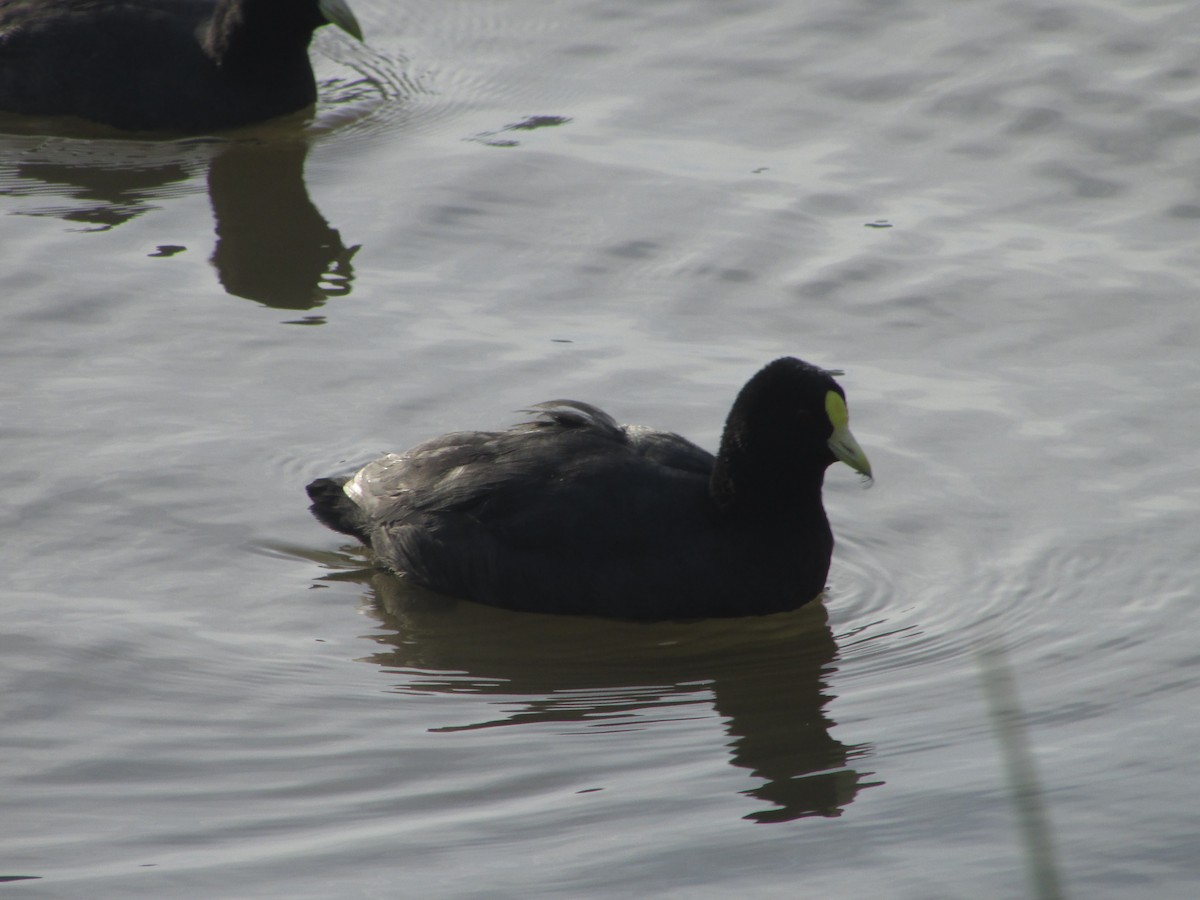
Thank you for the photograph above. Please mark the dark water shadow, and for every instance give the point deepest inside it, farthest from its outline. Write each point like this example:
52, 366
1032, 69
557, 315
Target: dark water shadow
273, 246
765, 676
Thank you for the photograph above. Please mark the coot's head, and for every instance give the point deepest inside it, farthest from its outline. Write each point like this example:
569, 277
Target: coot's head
312, 14
244, 34
788, 424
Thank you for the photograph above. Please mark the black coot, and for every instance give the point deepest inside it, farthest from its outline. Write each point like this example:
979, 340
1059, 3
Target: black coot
573, 513
173, 65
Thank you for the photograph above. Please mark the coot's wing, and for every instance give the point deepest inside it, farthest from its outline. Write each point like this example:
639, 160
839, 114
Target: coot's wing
511, 517
460, 471
563, 415
663, 447
670, 449
595, 531
396, 485
430, 474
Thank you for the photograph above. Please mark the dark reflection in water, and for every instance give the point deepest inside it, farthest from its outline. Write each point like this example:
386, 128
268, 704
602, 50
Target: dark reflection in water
533, 123
273, 246
765, 676
100, 195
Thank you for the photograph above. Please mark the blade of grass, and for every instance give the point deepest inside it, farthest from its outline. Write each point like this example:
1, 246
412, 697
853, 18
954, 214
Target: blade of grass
1004, 710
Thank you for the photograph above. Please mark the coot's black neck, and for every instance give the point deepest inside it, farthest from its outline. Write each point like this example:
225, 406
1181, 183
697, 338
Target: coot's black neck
759, 480
774, 450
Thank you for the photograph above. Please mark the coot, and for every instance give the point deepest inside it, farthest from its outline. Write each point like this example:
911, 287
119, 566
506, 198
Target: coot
572, 513
174, 65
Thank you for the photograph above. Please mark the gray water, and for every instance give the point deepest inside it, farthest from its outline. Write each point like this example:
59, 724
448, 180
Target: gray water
988, 214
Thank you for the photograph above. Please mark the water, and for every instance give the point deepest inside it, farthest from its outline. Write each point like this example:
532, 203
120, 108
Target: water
986, 213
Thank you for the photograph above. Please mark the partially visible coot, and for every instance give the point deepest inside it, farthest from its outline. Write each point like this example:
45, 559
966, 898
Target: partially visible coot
162, 65
573, 513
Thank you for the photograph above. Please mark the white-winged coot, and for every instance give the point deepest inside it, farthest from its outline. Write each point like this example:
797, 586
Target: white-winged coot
162, 65
572, 513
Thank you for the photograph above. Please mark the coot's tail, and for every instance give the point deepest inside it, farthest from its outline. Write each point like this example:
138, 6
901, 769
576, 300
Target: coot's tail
334, 509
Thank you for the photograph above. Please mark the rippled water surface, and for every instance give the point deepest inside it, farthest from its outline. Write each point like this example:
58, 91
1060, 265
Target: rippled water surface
988, 214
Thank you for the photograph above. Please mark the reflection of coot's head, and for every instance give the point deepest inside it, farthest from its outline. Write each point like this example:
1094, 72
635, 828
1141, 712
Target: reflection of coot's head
574, 513
273, 245
162, 64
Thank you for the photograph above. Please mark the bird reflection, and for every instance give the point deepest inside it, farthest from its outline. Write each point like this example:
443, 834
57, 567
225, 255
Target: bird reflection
273, 246
765, 677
